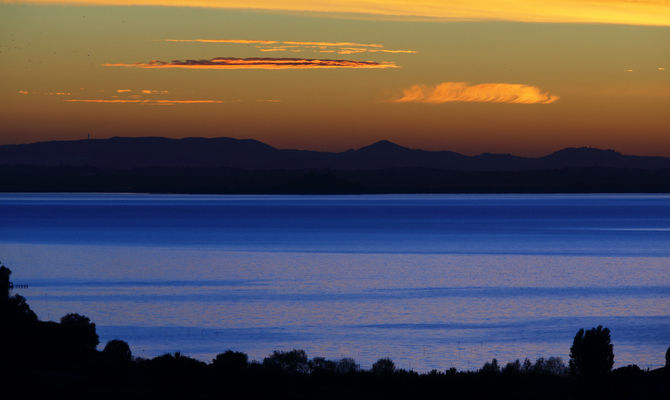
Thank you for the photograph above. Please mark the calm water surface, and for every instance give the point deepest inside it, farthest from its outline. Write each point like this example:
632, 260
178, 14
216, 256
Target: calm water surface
430, 281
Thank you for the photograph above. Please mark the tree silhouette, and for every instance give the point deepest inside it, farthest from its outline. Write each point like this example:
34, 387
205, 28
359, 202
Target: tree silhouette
4, 282
293, 362
80, 331
592, 353
13, 308
490, 367
118, 351
231, 361
383, 366
346, 366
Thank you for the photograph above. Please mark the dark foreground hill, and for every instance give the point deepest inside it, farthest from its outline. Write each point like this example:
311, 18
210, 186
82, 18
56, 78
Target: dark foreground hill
226, 165
46, 359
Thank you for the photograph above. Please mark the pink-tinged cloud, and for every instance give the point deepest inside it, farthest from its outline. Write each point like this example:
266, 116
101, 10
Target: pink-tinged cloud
144, 101
447, 92
259, 63
351, 51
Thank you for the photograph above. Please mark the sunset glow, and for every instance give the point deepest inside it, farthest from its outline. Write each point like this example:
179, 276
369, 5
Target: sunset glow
525, 77
631, 12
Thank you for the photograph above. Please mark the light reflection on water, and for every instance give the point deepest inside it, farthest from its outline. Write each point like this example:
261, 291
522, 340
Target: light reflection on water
432, 282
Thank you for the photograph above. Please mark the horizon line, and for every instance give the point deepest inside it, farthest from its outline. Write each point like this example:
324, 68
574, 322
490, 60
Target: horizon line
380, 141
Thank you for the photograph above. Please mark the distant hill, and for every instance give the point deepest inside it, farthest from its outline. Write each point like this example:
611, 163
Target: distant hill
248, 154
231, 166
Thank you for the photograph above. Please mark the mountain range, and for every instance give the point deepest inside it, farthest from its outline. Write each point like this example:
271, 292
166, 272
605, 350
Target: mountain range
249, 154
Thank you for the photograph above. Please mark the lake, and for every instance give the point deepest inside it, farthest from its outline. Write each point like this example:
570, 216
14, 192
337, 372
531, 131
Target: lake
431, 281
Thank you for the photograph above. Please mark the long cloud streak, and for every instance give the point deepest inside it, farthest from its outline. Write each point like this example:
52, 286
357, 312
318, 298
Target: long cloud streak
288, 43
297, 47
447, 92
629, 12
227, 41
258, 63
145, 102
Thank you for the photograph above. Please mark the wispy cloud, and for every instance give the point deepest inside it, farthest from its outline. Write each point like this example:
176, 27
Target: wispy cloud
485, 93
26, 92
228, 41
393, 51
143, 91
629, 12
151, 91
272, 49
268, 101
333, 44
144, 101
258, 63
299, 46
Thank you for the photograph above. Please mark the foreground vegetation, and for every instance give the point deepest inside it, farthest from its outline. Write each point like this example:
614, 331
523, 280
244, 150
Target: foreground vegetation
53, 360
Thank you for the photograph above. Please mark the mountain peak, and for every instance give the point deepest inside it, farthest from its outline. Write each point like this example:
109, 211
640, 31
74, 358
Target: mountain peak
583, 152
383, 145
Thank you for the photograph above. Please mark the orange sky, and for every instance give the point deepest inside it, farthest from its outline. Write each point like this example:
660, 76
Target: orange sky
525, 77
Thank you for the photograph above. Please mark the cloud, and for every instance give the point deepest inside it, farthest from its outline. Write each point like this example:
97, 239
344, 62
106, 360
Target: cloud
25, 92
269, 49
297, 47
123, 90
230, 41
628, 12
144, 101
149, 91
258, 63
351, 51
268, 101
333, 44
484, 93
661, 68
393, 51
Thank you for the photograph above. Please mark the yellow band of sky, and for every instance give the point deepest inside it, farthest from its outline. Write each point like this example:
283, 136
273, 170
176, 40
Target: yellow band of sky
627, 12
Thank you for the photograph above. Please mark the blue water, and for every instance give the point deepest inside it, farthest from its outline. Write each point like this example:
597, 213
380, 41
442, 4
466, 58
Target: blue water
432, 281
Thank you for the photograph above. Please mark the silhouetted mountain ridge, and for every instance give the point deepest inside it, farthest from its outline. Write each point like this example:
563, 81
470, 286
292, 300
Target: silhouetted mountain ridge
250, 154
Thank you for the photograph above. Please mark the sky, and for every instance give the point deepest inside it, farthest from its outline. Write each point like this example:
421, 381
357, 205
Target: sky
506, 76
